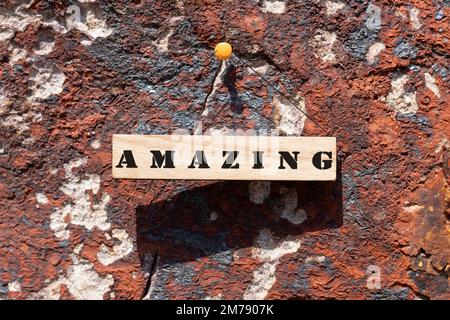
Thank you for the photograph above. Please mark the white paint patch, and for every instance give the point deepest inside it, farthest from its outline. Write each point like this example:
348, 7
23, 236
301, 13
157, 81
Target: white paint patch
412, 208
289, 202
41, 198
213, 216
275, 7
179, 4
289, 119
259, 66
6, 34
444, 144
323, 44
81, 210
315, 259
258, 191
28, 141
414, 18
430, 82
95, 144
296, 217
333, 7
401, 101
162, 43
46, 80
18, 20
14, 286
107, 256
59, 224
21, 121
4, 101
269, 252
94, 27
50, 292
374, 51
373, 17
82, 281
16, 54
44, 48
263, 280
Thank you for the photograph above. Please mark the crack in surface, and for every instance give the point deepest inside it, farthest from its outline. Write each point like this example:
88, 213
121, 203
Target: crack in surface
211, 87
153, 269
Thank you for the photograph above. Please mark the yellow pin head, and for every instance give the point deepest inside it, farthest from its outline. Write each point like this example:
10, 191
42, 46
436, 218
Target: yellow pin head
223, 51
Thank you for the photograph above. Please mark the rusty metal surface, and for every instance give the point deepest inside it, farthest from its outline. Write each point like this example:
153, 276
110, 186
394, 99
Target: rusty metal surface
375, 75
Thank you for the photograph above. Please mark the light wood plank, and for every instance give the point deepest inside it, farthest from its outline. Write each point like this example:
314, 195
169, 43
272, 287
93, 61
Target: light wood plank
184, 148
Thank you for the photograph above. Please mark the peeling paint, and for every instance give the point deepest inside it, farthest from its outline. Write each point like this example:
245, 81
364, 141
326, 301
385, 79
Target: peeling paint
107, 256
373, 17
394, 162
41, 198
289, 202
93, 26
258, 191
16, 54
46, 80
95, 144
17, 20
332, 7
289, 119
14, 286
315, 259
296, 217
162, 43
21, 121
81, 211
273, 6
213, 216
412, 208
414, 18
269, 252
400, 100
260, 66
6, 34
4, 101
430, 82
374, 51
46, 43
82, 281
323, 44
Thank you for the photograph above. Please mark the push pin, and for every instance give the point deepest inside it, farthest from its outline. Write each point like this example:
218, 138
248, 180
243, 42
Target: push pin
223, 51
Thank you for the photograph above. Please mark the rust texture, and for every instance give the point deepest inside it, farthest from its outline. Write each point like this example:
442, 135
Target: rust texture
374, 74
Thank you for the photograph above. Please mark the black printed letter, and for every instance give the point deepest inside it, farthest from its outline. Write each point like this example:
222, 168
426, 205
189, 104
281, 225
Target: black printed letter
317, 160
258, 160
228, 164
127, 159
285, 155
159, 159
199, 159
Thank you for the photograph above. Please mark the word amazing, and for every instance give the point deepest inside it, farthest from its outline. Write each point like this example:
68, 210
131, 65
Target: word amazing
224, 157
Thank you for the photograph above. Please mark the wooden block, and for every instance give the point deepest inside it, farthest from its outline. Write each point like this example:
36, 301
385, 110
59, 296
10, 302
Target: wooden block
224, 157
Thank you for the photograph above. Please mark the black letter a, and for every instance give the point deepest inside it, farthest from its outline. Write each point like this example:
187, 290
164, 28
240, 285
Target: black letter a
200, 159
127, 159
